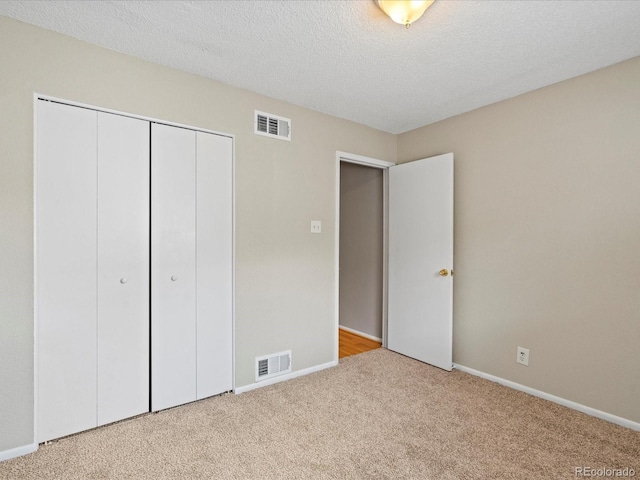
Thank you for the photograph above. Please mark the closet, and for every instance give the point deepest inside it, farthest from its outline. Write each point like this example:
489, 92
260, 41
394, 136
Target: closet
133, 274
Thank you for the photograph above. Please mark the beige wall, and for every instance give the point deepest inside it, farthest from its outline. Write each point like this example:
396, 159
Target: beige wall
547, 219
285, 275
361, 240
547, 236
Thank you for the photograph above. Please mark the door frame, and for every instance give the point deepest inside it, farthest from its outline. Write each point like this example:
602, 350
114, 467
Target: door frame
384, 166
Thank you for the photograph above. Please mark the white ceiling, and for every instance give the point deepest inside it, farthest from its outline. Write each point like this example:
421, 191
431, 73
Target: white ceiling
346, 58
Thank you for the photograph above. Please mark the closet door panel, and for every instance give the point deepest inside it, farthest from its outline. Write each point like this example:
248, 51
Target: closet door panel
214, 264
65, 269
173, 261
123, 267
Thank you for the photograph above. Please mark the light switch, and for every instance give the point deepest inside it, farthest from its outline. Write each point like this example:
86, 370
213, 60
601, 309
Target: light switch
316, 226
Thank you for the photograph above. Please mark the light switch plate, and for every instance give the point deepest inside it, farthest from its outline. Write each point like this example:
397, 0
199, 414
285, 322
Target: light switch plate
316, 226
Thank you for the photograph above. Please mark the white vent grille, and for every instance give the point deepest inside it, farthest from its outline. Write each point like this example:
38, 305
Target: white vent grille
272, 126
273, 365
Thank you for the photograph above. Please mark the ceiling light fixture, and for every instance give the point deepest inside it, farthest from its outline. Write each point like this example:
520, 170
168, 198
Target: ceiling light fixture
404, 12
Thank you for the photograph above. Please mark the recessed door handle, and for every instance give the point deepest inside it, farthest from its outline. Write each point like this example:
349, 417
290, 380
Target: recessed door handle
444, 272
123, 280
174, 278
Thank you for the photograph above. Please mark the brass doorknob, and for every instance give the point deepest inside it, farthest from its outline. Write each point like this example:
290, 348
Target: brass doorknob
444, 272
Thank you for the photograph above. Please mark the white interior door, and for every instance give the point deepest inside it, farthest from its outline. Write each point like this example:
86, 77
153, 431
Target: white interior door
66, 146
420, 318
123, 267
173, 266
214, 249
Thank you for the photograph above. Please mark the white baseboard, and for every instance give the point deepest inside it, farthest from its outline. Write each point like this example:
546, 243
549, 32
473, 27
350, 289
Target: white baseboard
362, 334
624, 422
18, 452
282, 378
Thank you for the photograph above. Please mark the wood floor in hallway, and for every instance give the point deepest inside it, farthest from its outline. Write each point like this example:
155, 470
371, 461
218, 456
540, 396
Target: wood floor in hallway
352, 344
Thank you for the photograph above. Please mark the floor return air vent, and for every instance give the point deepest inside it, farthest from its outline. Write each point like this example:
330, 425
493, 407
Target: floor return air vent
273, 365
272, 126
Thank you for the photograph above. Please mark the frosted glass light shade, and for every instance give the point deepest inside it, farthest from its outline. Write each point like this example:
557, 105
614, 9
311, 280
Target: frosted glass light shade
404, 12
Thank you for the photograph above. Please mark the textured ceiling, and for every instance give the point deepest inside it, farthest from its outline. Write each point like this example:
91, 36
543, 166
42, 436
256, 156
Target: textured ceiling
346, 58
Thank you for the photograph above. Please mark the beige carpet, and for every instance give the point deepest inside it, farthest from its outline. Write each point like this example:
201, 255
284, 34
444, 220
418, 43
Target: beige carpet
377, 415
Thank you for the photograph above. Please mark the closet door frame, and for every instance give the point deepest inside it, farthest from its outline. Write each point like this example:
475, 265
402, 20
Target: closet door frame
38, 97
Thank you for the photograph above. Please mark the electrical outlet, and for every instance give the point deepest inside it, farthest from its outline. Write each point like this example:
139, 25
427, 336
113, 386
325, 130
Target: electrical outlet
522, 356
316, 226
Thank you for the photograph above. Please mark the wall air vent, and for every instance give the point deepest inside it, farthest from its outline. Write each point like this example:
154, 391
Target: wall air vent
273, 365
272, 126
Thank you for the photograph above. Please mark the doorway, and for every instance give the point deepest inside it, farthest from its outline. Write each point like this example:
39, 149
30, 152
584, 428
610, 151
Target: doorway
417, 308
361, 255
361, 258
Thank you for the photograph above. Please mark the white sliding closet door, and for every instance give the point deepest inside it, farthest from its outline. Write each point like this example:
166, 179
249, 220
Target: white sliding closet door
173, 266
123, 267
134, 249
191, 264
214, 264
66, 178
92, 268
